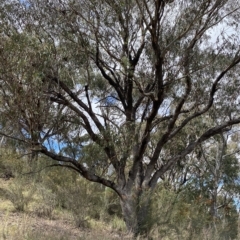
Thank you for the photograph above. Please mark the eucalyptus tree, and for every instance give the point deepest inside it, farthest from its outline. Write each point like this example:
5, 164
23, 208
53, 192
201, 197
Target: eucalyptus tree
211, 171
219, 177
127, 77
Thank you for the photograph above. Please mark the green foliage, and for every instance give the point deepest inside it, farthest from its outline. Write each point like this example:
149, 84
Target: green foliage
20, 193
118, 224
171, 214
46, 202
132, 92
186, 216
69, 192
21, 188
111, 205
10, 163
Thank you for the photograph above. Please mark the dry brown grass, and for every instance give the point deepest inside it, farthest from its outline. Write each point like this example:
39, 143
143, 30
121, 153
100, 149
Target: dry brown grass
30, 226
35, 224
19, 225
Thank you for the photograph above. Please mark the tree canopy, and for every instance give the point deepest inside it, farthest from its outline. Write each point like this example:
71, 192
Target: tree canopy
119, 91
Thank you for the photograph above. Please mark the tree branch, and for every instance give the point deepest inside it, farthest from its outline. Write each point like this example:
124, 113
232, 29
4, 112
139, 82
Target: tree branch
208, 134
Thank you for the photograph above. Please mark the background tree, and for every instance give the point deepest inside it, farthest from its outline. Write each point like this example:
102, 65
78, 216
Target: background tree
129, 75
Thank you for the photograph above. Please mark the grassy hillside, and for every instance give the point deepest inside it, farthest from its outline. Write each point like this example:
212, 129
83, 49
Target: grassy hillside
35, 222
56, 203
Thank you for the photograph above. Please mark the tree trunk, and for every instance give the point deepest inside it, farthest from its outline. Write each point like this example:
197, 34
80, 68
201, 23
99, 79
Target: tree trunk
136, 210
129, 211
213, 206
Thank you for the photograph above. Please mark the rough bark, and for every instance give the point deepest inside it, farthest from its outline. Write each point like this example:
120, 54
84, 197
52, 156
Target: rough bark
129, 214
136, 210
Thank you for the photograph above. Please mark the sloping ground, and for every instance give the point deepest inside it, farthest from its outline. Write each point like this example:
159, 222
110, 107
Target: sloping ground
30, 226
23, 226
18, 226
